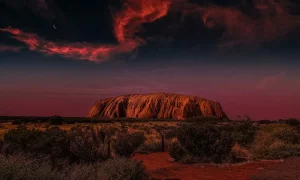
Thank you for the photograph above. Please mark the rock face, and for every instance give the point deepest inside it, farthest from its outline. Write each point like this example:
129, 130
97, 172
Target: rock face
156, 105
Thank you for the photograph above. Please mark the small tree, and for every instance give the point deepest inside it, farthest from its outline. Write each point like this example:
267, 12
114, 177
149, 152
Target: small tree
56, 120
293, 122
1, 145
87, 145
244, 133
17, 122
164, 132
107, 134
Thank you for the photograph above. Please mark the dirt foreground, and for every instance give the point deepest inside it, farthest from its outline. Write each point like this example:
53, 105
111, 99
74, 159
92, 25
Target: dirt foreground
287, 170
161, 166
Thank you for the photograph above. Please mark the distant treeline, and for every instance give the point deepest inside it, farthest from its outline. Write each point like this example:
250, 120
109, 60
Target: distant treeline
72, 120
290, 121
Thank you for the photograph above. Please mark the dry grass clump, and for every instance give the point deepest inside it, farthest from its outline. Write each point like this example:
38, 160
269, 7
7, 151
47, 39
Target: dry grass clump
19, 167
276, 141
204, 143
126, 144
113, 169
84, 152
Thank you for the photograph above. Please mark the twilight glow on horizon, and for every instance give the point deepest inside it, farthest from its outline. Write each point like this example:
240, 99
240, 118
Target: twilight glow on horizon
60, 57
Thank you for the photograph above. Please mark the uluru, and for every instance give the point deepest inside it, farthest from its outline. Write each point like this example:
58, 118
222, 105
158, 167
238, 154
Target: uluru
156, 105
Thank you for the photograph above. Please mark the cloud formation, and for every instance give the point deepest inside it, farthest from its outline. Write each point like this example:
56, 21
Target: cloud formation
38, 7
272, 20
84, 51
127, 23
4, 48
272, 80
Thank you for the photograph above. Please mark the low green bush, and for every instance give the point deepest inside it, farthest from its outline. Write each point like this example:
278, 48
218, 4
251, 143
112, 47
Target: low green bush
206, 142
244, 133
177, 152
126, 144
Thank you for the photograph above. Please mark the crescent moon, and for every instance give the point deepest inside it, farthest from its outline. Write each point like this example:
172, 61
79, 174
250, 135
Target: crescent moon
54, 26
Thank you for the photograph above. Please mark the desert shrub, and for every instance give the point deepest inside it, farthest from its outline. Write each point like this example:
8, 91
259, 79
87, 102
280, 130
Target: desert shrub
283, 132
20, 139
87, 144
171, 132
122, 168
17, 122
108, 133
124, 125
266, 122
56, 120
151, 144
161, 130
19, 168
290, 121
177, 152
207, 142
202, 119
1, 145
240, 153
144, 128
113, 169
154, 146
69, 121
276, 141
126, 144
244, 133
166, 133
54, 142
135, 126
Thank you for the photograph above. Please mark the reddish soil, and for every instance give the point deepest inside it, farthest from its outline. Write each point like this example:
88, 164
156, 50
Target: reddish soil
161, 166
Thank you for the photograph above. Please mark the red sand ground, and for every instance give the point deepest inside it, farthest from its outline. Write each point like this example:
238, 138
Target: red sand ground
161, 166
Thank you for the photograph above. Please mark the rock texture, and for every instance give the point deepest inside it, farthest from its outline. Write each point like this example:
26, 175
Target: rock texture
156, 105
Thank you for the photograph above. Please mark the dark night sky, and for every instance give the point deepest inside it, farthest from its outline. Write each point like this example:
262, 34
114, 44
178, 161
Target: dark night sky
243, 54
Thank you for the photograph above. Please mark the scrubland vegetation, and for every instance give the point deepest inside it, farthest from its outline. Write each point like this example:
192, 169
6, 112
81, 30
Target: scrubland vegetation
58, 149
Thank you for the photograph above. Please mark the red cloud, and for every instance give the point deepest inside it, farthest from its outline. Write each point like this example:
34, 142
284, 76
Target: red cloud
270, 20
136, 12
126, 24
85, 51
273, 21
